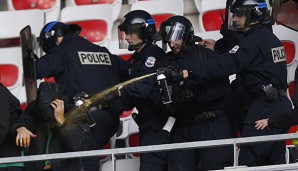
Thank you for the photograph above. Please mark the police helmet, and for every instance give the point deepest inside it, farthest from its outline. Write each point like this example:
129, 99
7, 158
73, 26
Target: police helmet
176, 28
253, 10
52, 30
139, 22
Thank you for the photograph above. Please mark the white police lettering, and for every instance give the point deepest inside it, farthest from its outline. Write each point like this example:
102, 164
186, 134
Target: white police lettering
94, 58
235, 49
150, 61
278, 54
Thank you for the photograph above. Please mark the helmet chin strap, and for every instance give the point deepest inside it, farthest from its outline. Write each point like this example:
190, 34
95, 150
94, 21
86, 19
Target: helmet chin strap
135, 47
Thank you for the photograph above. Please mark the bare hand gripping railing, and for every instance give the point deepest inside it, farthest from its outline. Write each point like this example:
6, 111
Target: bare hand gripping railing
153, 148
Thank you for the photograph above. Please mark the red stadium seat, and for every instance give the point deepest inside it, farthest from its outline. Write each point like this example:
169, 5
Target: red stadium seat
51, 8
8, 74
290, 51
33, 4
159, 18
134, 141
212, 20
160, 10
88, 2
95, 20
210, 17
93, 30
116, 5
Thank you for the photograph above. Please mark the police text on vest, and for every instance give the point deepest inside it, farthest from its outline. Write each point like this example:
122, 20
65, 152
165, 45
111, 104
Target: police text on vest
278, 54
94, 58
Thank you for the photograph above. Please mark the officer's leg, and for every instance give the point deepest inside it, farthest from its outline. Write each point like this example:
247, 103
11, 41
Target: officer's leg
182, 160
106, 126
12, 169
262, 153
153, 161
216, 157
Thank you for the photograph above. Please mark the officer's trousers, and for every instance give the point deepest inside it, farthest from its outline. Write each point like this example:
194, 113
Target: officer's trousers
106, 126
12, 169
209, 158
268, 153
156, 161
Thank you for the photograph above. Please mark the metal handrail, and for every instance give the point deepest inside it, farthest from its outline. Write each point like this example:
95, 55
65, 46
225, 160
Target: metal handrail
153, 148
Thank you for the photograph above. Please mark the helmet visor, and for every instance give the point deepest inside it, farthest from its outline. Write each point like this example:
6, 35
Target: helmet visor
129, 30
240, 12
174, 32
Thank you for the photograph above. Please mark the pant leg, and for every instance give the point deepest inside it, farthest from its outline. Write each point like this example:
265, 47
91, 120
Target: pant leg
106, 126
261, 153
12, 169
187, 160
181, 160
156, 161
215, 158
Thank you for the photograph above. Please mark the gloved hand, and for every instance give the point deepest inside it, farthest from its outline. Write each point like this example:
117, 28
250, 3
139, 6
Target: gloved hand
183, 97
173, 75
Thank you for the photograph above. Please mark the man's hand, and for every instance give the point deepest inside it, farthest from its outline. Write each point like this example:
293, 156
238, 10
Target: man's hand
58, 106
173, 75
209, 43
262, 124
23, 137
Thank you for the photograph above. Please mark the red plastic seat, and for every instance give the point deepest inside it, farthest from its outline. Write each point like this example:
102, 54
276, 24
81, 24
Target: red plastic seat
134, 141
126, 114
93, 30
33, 4
86, 2
159, 18
293, 129
212, 20
51, 79
289, 50
291, 89
8, 74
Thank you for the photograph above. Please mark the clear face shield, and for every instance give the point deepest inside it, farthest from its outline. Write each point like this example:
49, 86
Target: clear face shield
239, 18
285, 12
175, 32
132, 31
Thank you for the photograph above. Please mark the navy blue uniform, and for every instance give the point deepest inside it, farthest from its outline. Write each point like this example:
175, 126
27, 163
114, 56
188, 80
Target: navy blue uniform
206, 98
144, 95
287, 119
81, 66
259, 59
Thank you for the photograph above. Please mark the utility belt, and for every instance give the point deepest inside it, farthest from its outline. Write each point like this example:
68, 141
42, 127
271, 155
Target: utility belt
200, 118
270, 93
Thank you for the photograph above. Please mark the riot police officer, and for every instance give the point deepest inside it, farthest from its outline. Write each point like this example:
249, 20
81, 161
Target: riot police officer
137, 33
198, 109
260, 61
81, 66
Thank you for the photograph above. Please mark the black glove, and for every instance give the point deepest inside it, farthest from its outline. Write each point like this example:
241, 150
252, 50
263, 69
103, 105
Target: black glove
173, 75
183, 97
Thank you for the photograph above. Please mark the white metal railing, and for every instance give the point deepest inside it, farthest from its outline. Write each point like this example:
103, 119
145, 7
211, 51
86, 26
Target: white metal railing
154, 148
